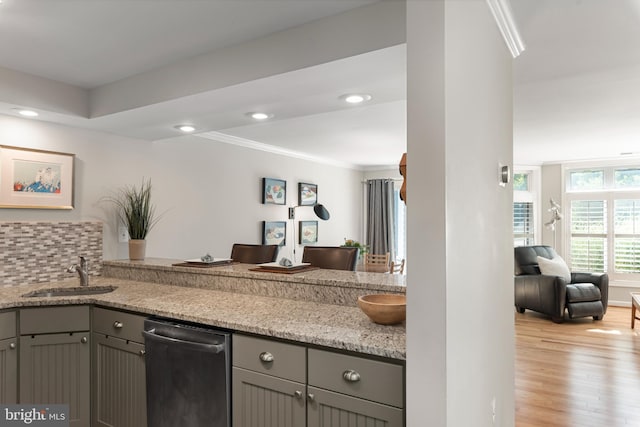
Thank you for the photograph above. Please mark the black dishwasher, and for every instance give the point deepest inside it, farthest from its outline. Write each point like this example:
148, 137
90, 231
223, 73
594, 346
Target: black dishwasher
187, 368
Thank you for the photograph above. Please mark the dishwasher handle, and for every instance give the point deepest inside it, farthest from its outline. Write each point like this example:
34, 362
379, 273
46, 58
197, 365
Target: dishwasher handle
212, 348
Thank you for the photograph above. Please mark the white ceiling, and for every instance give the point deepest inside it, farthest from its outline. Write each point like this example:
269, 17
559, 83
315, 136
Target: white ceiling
576, 87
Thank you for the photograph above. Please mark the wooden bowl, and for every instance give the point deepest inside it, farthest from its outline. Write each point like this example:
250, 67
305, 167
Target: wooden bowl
385, 309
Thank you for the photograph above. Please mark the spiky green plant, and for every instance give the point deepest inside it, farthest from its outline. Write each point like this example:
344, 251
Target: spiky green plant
136, 210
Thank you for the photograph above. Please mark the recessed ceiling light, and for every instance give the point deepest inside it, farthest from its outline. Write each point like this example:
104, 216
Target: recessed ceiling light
259, 116
185, 128
355, 98
26, 113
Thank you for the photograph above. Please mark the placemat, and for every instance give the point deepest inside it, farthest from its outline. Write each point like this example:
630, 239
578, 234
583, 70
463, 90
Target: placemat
283, 271
196, 265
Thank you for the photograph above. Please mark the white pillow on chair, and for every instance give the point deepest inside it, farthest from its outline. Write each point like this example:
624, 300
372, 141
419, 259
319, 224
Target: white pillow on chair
554, 267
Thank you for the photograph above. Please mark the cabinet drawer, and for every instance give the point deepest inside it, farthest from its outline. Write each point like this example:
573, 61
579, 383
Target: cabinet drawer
368, 379
118, 324
287, 360
7, 325
45, 320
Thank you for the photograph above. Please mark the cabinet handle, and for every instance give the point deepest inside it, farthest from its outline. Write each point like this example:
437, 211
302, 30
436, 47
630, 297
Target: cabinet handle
12, 346
311, 396
351, 376
298, 394
118, 325
267, 357
83, 340
142, 353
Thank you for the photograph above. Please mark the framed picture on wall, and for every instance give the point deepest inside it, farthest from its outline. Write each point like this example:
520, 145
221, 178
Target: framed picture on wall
35, 179
274, 233
308, 232
307, 194
274, 191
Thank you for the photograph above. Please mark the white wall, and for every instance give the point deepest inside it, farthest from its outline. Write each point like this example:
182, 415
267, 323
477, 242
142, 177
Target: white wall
209, 192
460, 332
552, 181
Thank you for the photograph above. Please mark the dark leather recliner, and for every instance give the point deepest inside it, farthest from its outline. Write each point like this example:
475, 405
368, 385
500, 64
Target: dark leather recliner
332, 257
254, 254
587, 294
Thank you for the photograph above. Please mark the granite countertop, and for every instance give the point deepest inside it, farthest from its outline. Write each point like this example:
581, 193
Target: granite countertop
334, 326
395, 283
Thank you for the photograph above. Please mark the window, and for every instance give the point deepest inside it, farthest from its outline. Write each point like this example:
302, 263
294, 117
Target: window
586, 180
627, 178
523, 234
524, 202
520, 182
626, 224
400, 216
588, 235
605, 221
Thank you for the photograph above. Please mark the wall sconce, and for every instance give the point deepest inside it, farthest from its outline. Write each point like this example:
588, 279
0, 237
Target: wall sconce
320, 211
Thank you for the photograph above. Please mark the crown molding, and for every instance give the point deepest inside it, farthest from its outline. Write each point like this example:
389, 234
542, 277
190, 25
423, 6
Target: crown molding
502, 13
254, 145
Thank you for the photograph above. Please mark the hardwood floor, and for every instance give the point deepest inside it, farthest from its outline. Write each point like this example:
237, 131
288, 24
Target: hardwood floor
579, 373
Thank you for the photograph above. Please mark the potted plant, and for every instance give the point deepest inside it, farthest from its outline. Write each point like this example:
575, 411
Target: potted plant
363, 249
137, 212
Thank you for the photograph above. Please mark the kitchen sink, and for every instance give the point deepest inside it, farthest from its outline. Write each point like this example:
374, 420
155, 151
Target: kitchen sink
71, 292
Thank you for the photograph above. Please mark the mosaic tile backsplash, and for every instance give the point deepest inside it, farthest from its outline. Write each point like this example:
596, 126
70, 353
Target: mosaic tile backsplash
33, 252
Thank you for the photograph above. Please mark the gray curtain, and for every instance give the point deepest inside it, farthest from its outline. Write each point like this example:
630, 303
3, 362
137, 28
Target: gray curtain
380, 220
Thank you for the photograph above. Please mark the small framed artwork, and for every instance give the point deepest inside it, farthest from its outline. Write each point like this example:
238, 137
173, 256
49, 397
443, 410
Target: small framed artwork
274, 191
308, 232
307, 194
274, 233
35, 179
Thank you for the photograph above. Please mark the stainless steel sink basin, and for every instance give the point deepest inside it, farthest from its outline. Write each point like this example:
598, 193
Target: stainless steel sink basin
71, 292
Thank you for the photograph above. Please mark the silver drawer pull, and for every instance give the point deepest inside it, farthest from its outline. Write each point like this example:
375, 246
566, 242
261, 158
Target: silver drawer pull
267, 357
351, 376
298, 394
83, 340
118, 325
12, 346
311, 396
142, 353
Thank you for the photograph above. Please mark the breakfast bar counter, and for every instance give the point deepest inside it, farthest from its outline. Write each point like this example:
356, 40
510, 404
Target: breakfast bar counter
319, 285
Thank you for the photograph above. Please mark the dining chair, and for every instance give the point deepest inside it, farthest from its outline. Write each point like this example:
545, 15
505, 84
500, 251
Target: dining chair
254, 254
331, 257
378, 263
397, 267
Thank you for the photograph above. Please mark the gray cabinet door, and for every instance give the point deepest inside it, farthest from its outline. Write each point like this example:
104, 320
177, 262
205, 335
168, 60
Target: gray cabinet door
329, 409
9, 370
264, 401
54, 369
119, 386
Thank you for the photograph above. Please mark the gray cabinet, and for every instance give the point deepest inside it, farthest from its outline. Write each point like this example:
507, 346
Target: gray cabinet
118, 369
8, 358
269, 383
54, 359
346, 390
281, 384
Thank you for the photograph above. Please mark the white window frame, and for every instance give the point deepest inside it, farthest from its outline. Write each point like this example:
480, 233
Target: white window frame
532, 196
609, 194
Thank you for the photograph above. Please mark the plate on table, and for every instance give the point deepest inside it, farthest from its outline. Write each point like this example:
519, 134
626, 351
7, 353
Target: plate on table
277, 266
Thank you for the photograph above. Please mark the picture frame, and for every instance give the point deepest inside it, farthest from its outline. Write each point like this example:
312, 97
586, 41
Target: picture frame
35, 179
274, 233
307, 194
308, 232
274, 191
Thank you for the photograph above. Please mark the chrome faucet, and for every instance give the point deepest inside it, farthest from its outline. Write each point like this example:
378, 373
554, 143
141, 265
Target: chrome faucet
82, 269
